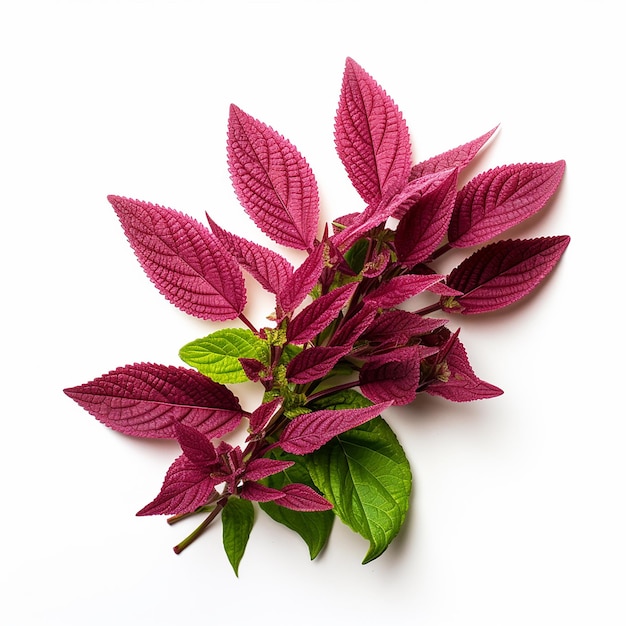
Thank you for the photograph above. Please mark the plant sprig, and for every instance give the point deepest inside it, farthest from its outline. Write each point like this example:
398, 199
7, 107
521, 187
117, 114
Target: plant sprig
340, 348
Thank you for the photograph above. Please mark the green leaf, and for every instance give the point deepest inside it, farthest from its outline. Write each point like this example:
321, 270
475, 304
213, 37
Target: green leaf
217, 355
365, 474
237, 521
313, 527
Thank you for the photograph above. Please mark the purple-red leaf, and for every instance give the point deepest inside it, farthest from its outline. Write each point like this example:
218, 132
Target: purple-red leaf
306, 433
183, 260
273, 181
301, 497
262, 414
456, 158
185, 488
268, 268
392, 377
196, 446
502, 273
260, 493
501, 198
302, 281
399, 326
424, 225
146, 400
314, 363
371, 136
457, 381
262, 468
401, 288
319, 314
351, 329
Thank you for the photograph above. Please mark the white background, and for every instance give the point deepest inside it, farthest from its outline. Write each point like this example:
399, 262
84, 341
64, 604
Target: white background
518, 512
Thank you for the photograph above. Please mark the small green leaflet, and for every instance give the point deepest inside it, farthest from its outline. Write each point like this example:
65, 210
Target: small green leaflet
314, 527
237, 521
217, 355
366, 475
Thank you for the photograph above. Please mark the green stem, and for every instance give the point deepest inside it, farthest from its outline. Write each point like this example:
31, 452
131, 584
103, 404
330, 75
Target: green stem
198, 531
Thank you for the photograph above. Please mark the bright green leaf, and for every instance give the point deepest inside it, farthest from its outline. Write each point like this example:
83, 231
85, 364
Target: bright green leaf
237, 521
314, 527
366, 475
217, 355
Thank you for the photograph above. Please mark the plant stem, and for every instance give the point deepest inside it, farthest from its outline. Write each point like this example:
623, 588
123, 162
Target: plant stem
331, 390
198, 531
248, 323
429, 309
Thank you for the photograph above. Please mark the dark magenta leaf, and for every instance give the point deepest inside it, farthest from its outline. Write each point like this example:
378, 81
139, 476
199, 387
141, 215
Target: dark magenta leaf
258, 469
502, 273
422, 228
456, 380
392, 377
263, 413
308, 432
315, 362
299, 497
268, 268
371, 136
146, 400
400, 288
183, 260
318, 315
302, 282
397, 326
260, 493
195, 446
273, 181
354, 326
456, 158
500, 198
185, 488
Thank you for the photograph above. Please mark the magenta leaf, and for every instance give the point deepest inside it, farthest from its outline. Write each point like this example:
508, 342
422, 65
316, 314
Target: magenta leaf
262, 468
260, 493
399, 326
502, 273
457, 381
500, 198
185, 488
303, 280
196, 446
319, 314
262, 414
183, 260
392, 377
315, 362
351, 329
456, 158
299, 497
310, 431
422, 228
146, 400
400, 288
371, 136
268, 268
273, 181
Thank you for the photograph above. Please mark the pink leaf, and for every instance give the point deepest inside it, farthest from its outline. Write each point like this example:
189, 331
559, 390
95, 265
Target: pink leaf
301, 497
351, 329
502, 273
457, 158
399, 326
262, 468
460, 384
371, 136
319, 314
260, 493
196, 446
182, 258
392, 377
401, 288
424, 225
303, 280
315, 362
306, 433
273, 181
185, 488
262, 414
501, 198
268, 268
146, 400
